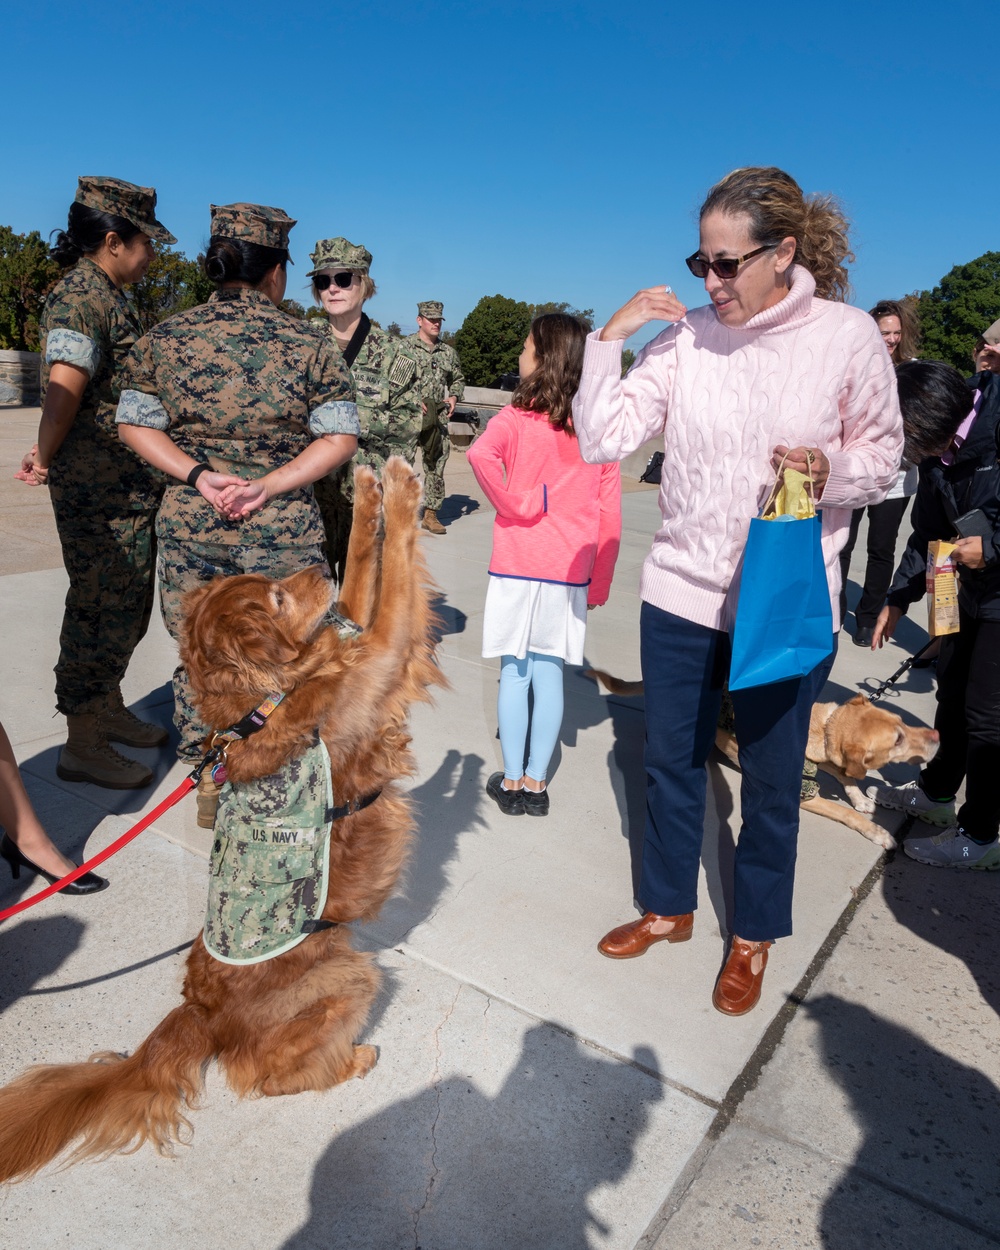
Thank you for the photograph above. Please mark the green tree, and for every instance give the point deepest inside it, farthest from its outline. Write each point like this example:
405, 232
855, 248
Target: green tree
586, 315
27, 273
959, 309
394, 330
293, 308
315, 314
491, 337
172, 283
628, 360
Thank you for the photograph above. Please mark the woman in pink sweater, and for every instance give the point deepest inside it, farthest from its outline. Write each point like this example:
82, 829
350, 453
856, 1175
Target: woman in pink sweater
776, 365
555, 541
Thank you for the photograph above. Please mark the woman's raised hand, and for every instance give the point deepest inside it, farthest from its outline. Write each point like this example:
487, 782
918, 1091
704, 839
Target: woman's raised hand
655, 303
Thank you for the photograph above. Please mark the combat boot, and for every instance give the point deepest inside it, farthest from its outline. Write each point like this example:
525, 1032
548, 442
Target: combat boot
88, 757
208, 801
121, 725
431, 522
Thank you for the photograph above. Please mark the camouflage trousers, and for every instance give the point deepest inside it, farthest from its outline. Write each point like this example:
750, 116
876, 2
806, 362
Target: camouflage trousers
185, 566
335, 495
109, 557
435, 447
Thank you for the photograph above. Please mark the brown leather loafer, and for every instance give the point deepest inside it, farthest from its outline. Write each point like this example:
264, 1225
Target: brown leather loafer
629, 940
737, 990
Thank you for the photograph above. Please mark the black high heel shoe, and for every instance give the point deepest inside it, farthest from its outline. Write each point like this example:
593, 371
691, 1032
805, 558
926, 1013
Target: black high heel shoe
89, 883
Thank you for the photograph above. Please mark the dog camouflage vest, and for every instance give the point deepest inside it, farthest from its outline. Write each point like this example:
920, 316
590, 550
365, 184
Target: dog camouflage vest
270, 860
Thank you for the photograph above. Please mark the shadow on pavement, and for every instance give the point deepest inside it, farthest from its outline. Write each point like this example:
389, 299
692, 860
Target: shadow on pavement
454, 1168
953, 910
32, 950
929, 1124
456, 506
446, 805
452, 619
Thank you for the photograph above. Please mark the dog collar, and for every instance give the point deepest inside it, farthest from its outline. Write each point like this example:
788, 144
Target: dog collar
215, 757
250, 724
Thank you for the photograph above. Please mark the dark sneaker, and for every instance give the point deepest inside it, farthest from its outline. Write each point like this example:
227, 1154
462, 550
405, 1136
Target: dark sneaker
536, 803
954, 849
510, 802
911, 799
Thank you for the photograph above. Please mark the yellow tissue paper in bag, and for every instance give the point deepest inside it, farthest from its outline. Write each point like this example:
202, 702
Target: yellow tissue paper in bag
793, 499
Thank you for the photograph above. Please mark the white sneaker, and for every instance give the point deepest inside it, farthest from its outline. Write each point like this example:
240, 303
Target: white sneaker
912, 800
954, 849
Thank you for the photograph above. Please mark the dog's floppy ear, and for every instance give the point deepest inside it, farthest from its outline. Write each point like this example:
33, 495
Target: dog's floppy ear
856, 762
256, 635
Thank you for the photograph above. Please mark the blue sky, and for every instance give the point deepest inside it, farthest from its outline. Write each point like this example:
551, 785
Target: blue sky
542, 151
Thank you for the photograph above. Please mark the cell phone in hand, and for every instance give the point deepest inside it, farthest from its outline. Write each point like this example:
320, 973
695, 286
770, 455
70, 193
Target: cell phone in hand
973, 525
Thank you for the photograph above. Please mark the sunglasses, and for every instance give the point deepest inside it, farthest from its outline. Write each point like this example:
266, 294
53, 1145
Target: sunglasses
343, 280
727, 267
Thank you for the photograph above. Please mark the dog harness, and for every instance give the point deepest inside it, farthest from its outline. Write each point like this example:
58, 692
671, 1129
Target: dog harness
270, 860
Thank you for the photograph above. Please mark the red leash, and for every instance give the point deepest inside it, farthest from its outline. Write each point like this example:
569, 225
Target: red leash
250, 724
187, 784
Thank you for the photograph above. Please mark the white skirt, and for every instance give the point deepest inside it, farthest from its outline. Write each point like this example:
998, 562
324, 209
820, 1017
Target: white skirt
546, 617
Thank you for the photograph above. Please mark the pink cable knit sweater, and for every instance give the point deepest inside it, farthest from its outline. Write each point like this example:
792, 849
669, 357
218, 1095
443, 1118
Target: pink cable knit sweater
805, 372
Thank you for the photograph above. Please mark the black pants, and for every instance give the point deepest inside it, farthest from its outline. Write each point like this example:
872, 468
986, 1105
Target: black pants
884, 520
968, 720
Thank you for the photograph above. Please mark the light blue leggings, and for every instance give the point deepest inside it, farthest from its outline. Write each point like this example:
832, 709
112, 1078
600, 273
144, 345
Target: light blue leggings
544, 674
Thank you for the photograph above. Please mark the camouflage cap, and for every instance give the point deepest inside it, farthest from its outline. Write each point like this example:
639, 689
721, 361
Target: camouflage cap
254, 223
123, 199
432, 309
991, 336
339, 253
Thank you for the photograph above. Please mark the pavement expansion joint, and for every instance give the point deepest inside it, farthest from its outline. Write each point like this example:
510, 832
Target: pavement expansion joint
629, 1060
747, 1079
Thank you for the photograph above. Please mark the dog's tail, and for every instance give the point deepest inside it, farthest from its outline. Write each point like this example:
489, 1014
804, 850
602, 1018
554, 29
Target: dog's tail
111, 1104
614, 685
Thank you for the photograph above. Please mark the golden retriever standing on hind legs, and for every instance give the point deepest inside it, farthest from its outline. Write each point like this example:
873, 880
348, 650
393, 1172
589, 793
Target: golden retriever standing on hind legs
280, 1009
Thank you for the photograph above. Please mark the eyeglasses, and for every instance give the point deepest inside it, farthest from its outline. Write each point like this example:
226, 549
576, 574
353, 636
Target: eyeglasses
343, 280
727, 266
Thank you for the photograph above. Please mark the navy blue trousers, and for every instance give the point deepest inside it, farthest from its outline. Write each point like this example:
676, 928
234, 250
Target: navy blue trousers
684, 666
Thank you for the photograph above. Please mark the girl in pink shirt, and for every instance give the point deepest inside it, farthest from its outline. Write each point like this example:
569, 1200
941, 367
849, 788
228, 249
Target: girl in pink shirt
555, 541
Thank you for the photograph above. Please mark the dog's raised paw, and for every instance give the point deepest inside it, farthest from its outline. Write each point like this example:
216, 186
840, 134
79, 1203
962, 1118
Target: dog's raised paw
365, 1058
400, 485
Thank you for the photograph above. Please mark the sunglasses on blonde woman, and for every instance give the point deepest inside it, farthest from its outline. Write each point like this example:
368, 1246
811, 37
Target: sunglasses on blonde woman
725, 267
343, 280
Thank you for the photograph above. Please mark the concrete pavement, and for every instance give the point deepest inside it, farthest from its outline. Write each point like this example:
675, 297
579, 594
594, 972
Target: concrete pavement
529, 1093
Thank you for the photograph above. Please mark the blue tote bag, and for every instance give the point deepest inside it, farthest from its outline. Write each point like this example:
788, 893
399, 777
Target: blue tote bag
784, 622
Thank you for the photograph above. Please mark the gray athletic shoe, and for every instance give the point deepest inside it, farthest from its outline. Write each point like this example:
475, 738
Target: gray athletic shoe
912, 800
954, 849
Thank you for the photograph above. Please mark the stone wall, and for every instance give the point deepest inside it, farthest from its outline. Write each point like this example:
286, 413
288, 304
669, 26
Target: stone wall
20, 379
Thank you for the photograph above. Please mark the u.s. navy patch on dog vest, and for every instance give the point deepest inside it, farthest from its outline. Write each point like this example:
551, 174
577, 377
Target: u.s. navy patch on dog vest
270, 860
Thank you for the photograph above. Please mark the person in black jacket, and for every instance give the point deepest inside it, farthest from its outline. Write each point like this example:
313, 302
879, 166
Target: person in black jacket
963, 479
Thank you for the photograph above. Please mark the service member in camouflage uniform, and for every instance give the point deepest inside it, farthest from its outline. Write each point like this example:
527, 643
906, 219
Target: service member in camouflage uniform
441, 386
103, 496
385, 372
244, 407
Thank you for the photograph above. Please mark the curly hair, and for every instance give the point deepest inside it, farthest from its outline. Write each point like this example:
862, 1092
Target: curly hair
776, 208
909, 325
558, 340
